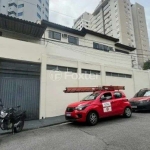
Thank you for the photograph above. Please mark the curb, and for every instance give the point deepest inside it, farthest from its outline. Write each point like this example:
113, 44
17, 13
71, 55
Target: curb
40, 127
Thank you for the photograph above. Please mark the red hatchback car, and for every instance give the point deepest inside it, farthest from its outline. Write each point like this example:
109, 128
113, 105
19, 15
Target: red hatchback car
141, 100
103, 102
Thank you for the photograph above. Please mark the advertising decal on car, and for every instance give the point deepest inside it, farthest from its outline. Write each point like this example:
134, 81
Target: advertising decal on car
107, 107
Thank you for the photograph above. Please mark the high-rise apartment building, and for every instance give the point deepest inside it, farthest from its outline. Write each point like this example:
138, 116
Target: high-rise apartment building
141, 33
83, 21
26, 9
119, 19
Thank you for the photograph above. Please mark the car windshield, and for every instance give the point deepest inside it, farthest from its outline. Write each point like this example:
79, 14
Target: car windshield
143, 93
92, 96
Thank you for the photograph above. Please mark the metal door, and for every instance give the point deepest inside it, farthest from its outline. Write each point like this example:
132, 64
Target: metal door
21, 91
19, 85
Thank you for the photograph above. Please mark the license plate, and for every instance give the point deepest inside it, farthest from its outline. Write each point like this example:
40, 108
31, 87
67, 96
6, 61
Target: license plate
68, 115
133, 106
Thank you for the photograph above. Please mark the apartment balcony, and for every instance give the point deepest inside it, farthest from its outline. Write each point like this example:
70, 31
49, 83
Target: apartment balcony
99, 17
107, 10
108, 30
107, 20
12, 8
12, 13
107, 16
108, 5
99, 14
108, 25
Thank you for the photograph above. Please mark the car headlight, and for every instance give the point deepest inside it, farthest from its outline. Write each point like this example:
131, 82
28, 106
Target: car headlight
144, 101
81, 107
3, 114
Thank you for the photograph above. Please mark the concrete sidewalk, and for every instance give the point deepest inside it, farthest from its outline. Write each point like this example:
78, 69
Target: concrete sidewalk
35, 124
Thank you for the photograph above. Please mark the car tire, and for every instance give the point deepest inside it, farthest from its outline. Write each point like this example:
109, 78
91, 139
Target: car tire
127, 112
92, 118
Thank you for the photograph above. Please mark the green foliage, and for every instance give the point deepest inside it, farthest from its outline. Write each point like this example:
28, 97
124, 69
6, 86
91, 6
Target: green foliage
146, 65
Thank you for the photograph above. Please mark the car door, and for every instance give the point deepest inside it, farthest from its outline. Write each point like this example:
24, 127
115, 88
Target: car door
107, 104
117, 102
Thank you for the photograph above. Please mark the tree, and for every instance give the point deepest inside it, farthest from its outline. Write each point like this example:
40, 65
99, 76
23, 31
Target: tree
146, 65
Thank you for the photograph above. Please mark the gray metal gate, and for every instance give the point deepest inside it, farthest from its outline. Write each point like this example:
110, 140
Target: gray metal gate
21, 87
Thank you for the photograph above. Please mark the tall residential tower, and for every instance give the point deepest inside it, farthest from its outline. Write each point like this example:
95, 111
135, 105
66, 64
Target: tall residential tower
120, 19
26, 9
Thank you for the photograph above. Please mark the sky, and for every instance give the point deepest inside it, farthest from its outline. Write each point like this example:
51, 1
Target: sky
65, 11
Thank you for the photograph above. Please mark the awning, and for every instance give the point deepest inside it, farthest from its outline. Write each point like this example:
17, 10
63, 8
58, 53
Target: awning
125, 47
21, 26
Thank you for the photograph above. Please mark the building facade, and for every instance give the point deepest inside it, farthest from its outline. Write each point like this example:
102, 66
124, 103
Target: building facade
38, 61
27, 10
141, 33
83, 21
117, 18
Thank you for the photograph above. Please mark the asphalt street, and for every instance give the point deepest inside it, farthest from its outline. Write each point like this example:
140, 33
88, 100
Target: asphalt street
109, 134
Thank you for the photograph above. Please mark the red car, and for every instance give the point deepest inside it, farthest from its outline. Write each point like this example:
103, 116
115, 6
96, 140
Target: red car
141, 100
103, 102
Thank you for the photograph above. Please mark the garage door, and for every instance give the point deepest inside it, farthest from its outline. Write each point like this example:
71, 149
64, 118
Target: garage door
20, 85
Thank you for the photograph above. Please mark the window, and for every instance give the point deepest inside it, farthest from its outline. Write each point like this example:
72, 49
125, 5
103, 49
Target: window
54, 35
117, 95
13, 4
61, 68
102, 47
113, 74
73, 40
38, 16
92, 96
106, 96
20, 14
47, 3
46, 17
46, 9
21, 5
87, 71
11, 13
39, 8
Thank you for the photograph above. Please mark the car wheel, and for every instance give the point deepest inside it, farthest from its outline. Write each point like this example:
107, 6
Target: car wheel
127, 112
92, 118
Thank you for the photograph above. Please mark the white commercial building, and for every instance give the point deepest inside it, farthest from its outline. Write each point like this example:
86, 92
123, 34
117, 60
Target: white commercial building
38, 61
26, 9
118, 18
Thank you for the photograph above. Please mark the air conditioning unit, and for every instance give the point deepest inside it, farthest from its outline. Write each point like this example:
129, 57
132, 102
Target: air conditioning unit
64, 35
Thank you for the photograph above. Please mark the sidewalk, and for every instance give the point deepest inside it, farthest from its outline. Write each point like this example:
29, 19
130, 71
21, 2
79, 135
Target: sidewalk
35, 124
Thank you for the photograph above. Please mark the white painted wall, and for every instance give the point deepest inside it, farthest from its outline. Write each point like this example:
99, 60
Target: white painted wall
53, 101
